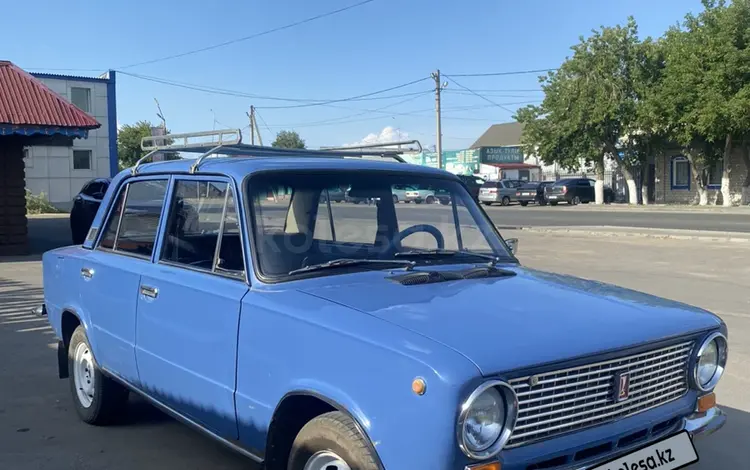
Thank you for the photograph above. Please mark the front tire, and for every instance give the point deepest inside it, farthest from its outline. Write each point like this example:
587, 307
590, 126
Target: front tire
395, 199
98, 399
331, 441
505, 201
524, 203
430, 200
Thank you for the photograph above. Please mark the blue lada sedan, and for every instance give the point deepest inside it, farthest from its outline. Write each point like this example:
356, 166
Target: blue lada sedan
231, 293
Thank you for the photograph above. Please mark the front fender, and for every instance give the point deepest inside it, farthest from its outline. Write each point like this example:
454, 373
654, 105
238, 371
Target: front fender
362, 364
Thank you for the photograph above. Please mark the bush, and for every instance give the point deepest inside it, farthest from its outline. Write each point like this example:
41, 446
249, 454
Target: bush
39, 204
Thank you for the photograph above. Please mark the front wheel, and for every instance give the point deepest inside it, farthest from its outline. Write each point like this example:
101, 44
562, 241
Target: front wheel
331, 441
395, 199
505, 201
98, 399
430, 200
524, 203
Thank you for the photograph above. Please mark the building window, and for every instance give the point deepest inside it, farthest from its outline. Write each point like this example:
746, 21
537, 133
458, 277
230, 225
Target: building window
27, 160
81, 98
680, 173
714, 173
81, 159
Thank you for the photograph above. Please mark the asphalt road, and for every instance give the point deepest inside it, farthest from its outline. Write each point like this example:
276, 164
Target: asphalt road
40, 431
736, 220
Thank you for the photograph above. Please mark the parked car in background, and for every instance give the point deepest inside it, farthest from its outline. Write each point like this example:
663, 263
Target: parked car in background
575, 191
419, 195
473, 184
336, 194
255, 322
532, 192
399, 192
348, 197
85, 205
502, 191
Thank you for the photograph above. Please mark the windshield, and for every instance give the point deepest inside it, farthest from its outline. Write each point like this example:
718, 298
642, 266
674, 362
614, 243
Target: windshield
297, 226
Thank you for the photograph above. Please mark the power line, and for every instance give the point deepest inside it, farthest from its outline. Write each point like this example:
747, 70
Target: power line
498, 74
252, 36
352, 98
477, 94
242, 94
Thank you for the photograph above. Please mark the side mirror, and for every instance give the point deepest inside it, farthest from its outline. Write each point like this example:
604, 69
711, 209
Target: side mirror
512, 244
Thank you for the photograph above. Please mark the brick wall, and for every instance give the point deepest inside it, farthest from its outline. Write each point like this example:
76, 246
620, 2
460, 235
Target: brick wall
666, 195
13, 232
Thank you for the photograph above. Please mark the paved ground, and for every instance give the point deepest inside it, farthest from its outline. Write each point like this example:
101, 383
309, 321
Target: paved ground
39, 429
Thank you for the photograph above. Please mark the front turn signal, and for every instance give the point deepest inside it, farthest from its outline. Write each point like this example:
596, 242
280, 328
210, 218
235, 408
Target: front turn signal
485, 466
706, 402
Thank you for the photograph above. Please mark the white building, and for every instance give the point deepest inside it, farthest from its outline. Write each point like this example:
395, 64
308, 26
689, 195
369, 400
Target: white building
60, 169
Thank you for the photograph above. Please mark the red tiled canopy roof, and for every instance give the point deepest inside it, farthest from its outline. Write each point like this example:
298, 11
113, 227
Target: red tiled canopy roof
25, 101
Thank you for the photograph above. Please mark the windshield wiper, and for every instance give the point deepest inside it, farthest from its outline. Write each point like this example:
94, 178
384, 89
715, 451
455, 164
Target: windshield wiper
445, 253
337, 263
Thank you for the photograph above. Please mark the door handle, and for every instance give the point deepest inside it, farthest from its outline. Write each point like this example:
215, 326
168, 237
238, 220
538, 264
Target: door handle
149, 291
87, 273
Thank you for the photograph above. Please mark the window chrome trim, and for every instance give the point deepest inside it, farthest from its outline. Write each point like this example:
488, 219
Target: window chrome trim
511, 414
722, 355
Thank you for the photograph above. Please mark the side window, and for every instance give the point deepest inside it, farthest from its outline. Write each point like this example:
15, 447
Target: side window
231, 259
140, 218
323, 228
194, 221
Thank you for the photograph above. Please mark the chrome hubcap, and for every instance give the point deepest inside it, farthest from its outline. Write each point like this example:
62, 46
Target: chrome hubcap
83, 374
326, 460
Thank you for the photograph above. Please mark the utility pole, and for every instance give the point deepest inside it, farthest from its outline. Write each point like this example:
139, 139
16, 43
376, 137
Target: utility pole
439, 144
252, 124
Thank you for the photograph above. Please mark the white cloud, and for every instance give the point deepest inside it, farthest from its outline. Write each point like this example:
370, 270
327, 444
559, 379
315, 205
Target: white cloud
388, 134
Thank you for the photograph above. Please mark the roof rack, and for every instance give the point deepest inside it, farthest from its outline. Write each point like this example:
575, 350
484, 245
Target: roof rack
228, 142
381, 146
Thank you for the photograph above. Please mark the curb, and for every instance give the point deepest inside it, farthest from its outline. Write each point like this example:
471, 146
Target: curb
638, 232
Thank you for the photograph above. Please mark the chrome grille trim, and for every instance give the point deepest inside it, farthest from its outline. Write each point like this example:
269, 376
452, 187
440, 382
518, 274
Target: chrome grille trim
574, 398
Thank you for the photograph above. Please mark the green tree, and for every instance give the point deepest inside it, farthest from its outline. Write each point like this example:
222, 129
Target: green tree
288, 140
129, 142
589, 111
702, 101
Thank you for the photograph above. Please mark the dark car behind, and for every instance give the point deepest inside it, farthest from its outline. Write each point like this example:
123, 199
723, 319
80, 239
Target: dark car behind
472, 183
85, 205
532, 192
575, 191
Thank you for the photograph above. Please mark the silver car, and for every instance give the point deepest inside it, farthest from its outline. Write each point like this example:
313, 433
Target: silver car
503, 191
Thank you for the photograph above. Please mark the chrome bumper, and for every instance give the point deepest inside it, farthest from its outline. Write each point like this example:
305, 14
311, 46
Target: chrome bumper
703, 424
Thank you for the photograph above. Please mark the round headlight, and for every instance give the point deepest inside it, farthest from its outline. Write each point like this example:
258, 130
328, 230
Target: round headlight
710, 362
487, 419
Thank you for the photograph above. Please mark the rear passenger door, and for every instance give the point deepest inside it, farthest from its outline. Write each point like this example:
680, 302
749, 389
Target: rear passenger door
189, 305
585, 190
110, 273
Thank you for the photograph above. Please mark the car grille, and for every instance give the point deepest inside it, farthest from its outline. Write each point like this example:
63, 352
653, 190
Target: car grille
571, 399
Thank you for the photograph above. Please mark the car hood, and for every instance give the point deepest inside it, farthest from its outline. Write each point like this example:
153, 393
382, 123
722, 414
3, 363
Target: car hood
532, 318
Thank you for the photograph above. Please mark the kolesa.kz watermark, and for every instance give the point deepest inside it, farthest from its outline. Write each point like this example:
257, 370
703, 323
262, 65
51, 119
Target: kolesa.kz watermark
668, 454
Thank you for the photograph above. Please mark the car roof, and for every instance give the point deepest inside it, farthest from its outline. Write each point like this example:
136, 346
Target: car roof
239, 167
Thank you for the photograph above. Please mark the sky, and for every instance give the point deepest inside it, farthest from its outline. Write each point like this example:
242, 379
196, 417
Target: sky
378, 45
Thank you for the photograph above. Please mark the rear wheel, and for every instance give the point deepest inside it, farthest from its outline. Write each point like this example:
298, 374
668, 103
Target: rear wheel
524, 203
98, 399
430, 200
395, 199
331, 441
486, 203
505, 201
575, 201
553, 203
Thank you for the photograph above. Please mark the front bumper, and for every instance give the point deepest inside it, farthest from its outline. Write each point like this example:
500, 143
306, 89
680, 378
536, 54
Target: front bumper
703, 424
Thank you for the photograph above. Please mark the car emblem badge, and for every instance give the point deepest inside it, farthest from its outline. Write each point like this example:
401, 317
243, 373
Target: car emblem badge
533, 380
622, 386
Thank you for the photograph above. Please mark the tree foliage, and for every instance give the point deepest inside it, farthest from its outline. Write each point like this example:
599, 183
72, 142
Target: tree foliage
129, 142
288, 140
628, 99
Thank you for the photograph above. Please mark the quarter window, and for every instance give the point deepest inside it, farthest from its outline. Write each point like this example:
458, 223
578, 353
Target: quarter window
196, 236
133, 229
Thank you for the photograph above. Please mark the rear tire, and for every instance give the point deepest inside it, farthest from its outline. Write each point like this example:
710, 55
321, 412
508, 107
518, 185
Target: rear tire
331, 441
430, 200
524, 203
98, 399
505, 201
395, 199
575, 201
